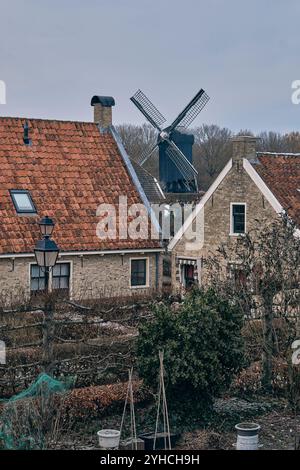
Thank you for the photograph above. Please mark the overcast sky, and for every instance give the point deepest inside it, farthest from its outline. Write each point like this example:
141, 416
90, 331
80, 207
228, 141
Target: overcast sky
55, 54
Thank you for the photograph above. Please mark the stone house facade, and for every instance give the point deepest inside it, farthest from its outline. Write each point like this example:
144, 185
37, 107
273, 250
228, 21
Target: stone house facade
67, 170
252, 189
88, 276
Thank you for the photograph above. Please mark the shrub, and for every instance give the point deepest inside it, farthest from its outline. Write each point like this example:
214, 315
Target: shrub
203, 349
94, 401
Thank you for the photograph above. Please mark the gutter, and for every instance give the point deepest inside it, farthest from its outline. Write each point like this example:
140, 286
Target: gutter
86, 253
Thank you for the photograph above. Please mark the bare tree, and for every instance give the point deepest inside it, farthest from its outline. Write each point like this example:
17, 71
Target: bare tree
293, 142
212, 150
261, 271
245, 132
137, 140
272, 142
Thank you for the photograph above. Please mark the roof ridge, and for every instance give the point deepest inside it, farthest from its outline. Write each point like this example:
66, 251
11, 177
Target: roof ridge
279, 154
46, 120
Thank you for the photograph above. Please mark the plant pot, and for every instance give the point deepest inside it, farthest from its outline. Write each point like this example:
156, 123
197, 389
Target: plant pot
247, 436
161, 438
109, 438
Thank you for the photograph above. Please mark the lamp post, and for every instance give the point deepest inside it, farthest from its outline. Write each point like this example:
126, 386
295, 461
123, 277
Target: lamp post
46, 254
46, 251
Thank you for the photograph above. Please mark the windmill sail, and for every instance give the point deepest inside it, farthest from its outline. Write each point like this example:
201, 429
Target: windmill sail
191, 111
175, 148
148, 109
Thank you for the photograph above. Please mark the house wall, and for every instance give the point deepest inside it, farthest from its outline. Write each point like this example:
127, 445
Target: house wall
92, 276
237, 186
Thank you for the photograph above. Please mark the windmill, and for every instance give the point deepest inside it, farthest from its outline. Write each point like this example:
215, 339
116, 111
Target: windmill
176, 171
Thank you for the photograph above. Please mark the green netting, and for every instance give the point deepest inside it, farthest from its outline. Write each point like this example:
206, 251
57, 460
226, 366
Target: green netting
30, 419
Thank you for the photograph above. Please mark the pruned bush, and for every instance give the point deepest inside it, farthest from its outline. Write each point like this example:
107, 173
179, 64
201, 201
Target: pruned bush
203, 349
92, 402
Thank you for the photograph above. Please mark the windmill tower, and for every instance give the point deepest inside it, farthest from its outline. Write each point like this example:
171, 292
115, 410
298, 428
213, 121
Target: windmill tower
176, 171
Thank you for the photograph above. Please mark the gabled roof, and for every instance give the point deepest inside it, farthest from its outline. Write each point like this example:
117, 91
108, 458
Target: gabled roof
276, 175
70, 168
281, 173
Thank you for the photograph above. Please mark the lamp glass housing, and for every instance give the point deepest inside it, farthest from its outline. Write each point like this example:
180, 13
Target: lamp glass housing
46, 253
46, 226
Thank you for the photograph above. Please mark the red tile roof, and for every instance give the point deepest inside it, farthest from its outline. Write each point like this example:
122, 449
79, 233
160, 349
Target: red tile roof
281, 173
69, 169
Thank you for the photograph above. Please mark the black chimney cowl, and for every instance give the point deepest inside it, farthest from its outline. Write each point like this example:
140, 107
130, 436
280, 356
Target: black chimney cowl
106, 101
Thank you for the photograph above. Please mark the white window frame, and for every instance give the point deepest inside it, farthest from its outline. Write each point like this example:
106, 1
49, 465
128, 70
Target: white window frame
232, 233
50, 276
147, 285
70, 276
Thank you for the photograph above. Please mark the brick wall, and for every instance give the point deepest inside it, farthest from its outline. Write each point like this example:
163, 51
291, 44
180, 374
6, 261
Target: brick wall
92, 276
103, 115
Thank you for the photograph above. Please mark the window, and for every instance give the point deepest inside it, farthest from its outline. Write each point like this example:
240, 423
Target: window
22, 201
37, 279
188, 275
138, 272
61, 277
166, 268
238, 219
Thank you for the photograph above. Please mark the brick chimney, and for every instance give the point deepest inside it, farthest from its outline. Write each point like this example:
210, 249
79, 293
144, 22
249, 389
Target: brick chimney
243, 146
103, 110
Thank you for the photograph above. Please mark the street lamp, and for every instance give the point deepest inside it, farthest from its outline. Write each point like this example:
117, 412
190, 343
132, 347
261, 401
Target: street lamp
46, 251
46, 226
46, 254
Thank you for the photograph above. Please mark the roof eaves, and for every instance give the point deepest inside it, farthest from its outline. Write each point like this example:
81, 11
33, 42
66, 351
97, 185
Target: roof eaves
86, 252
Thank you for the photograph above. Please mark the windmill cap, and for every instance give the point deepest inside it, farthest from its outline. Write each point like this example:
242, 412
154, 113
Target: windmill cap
106, 101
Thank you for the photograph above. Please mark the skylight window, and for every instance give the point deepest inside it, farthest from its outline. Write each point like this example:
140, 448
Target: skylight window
22, 201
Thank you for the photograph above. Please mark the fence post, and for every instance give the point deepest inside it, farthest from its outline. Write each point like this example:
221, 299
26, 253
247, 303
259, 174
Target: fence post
48, 335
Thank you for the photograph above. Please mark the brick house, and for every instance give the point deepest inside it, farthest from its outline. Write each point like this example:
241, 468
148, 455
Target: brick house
252, 186
65, 170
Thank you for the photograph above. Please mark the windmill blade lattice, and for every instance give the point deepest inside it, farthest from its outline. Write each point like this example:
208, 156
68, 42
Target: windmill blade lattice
181, 162
147, 154
186, 176
148, 109
191, 111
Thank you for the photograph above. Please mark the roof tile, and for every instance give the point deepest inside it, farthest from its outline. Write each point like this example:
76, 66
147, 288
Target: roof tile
281, 173
69, 169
